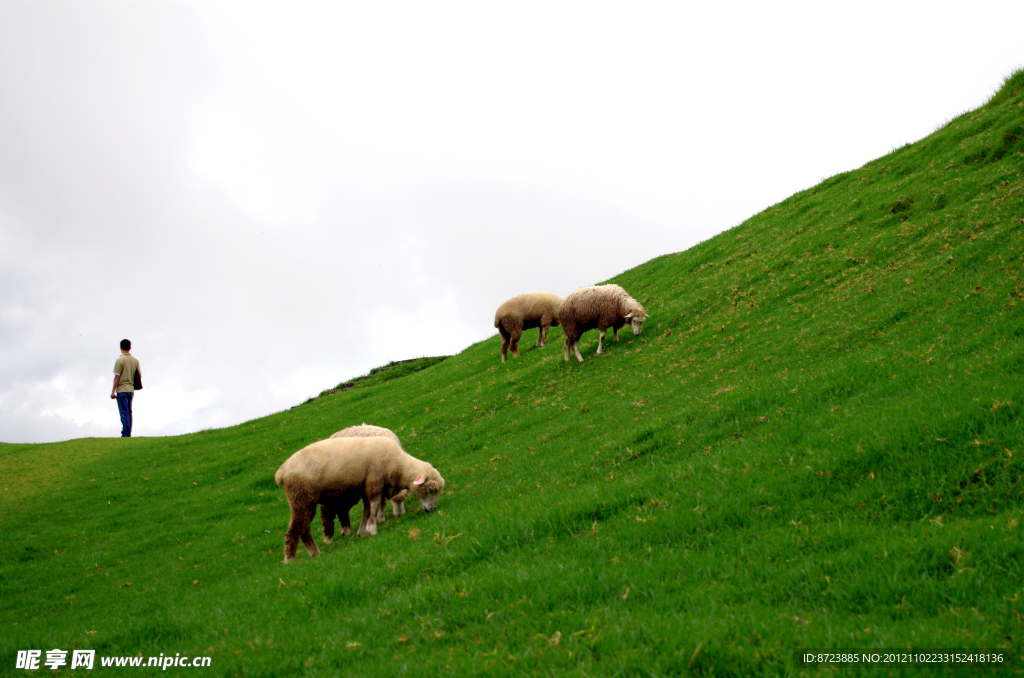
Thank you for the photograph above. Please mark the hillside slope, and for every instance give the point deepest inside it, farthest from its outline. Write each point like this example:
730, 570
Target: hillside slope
816, 442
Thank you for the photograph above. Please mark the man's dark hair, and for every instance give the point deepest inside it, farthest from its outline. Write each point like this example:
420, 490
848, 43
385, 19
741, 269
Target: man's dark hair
126, 345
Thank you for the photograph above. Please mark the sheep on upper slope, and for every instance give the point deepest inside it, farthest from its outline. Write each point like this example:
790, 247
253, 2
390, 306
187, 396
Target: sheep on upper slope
600, 306
523, 312
338, 468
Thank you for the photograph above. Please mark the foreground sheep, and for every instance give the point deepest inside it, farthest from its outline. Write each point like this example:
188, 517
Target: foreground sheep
523, 312
340, 506
336, 469
601, 306
370, 431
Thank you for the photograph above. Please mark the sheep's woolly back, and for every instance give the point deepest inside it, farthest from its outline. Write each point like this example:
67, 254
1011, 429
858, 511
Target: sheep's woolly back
529, 308
596, 294
367, 431
334, 462
590, 302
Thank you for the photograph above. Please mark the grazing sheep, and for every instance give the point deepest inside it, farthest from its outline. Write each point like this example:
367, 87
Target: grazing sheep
397, 502
523, 312
337, 469
601, 306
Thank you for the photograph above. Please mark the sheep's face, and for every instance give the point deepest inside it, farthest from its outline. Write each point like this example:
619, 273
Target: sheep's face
637, 321
427, 488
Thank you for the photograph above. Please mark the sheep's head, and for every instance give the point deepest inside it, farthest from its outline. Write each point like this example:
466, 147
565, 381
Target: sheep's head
427, 488
636, 318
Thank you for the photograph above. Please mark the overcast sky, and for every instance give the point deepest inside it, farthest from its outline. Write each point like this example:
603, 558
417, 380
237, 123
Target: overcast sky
270, 198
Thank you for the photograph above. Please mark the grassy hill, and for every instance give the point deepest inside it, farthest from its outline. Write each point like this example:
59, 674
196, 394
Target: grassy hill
816, 443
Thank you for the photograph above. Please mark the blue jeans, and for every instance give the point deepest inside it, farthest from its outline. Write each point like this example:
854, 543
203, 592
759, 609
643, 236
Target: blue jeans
124, 407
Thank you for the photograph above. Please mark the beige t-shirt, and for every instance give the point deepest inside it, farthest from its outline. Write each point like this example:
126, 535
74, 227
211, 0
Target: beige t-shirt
126, 366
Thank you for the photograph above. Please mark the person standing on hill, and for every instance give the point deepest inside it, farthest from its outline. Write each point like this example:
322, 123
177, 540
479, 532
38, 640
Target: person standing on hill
123, 390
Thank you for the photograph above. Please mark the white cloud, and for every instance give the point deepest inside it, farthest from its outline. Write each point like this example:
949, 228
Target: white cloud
269, 198
237, 156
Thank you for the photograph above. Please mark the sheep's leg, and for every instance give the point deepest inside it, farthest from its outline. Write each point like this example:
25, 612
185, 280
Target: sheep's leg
307, 536
346, 523
298, 528
398, 503
542, 335
366, 518
327, 519
291, 540
576, 349
375, 510
566, 350
516, 334
600, 341
381, 516
373, 491
371, 507
505, 337
615, 334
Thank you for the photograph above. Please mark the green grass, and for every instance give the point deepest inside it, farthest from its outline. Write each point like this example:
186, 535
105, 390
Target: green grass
816, 443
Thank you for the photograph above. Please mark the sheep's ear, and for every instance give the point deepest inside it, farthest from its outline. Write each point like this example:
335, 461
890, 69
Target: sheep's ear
418, 481
629, 316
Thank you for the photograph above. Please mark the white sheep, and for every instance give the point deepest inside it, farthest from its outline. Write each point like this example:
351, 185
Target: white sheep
342, 505
600, 306
523, 312
337, 469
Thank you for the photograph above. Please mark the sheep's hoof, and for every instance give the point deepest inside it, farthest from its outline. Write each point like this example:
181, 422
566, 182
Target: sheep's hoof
328, 540
288, 560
